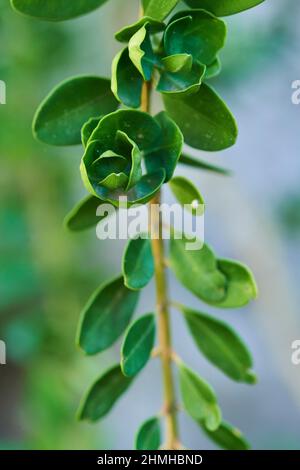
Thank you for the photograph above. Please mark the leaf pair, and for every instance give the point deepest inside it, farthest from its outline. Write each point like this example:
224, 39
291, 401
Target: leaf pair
222, 283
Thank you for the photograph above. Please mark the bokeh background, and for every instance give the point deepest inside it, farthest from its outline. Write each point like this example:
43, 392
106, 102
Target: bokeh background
46, 274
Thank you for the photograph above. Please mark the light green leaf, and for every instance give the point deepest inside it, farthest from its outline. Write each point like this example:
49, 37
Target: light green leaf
106, 316
149, 435
83, 215
195, 32
220, 345
224, 7
201, 165
141, 52
88, 128
137, 345
103, 394
227, 437
159, 10
127, 82
199, 399
56, 10
187, 194
138, 264
60, 117
166, 149
197, 270
126, 33
241, 285
204, 119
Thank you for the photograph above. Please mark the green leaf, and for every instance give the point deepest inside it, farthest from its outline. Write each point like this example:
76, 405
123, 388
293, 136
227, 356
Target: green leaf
138, 264
224, 7
213, 69
197, 33
103, 394
106, 316
187, 194
204, 119
88, 128
55, 10
141, 52
127, 82
201, 165
199, 398
241, 285
220, 345
180, 75
83, 215
137, 345
60, 117
159, 10
197, 270
149, 435
166, 150
227, 437
126, 33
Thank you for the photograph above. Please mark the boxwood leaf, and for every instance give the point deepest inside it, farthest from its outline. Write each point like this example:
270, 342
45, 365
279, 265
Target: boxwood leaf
202, 165
159, 10
88, 128
103, 394
175, 79
197, 270
126, 33
199, 398
221, 345
149, 435
166, 150
127, 82
213, 69
60, 117
138, 264
187, 194
224, 7
241, 285
55, 10
227, 437
196, 32
106, 316
204, 119
138, 344
83, 215
141, 52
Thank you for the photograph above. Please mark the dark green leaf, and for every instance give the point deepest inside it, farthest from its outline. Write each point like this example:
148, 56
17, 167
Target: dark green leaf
103, 394
227, 437
199, 398
138, 344
196, 163
187, 194
224, 7
220, 345
56, 10
138, 264
197, 33
60, 117
149, 435
166, 149
176, 79
126, 33
159, 9
88, 128
83, 215
213, 69
106, 316
197, 270
204, 119
126, 82
241, 285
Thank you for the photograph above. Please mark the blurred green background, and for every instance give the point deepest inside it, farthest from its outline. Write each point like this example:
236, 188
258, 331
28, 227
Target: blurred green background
46, 274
